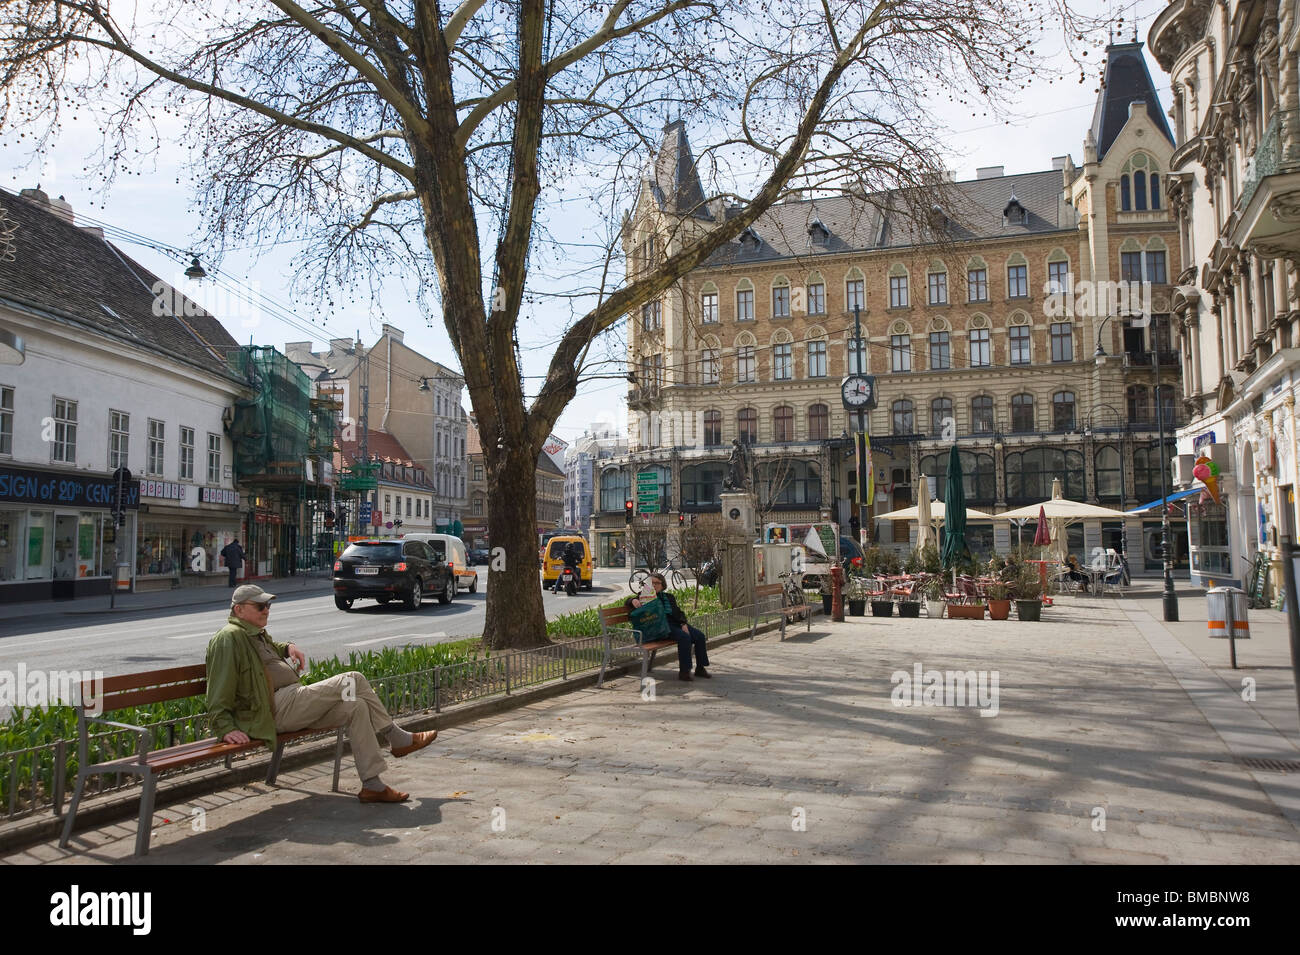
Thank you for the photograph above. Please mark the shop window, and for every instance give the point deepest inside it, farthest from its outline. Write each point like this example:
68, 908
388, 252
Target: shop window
13, 527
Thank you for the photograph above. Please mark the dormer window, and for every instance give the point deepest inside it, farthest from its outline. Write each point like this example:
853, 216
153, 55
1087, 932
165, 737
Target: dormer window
818, 233
938, 218
1014, 213
749, 239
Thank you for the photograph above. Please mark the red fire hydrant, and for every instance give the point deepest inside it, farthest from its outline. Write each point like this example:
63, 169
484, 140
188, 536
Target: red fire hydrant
837, 594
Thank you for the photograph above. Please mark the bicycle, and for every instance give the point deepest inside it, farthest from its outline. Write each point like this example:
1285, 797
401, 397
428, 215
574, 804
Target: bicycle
792, 594
639, 579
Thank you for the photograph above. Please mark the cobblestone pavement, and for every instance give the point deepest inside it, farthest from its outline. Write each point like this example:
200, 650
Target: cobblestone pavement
796, 752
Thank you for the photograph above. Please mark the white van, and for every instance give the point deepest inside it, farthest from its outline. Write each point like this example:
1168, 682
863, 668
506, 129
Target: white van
457, 559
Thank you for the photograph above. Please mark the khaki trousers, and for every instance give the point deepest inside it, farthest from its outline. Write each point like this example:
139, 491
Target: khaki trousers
343, 700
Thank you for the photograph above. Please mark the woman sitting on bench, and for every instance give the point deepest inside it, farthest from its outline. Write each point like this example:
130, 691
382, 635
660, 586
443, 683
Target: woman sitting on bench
684, 633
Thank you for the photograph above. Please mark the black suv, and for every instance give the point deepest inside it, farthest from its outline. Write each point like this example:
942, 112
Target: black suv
384, 569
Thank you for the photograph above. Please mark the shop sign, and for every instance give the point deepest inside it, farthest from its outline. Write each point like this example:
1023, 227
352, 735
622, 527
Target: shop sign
22, 486
1201, 440
218, 495
164, 489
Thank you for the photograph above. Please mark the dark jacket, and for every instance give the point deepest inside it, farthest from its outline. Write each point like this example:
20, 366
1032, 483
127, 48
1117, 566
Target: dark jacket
676, 618
233, 554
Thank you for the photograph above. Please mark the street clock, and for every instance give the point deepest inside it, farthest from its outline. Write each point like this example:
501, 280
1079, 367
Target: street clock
859, 392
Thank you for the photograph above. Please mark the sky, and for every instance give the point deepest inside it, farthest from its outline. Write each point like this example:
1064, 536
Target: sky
1046, 120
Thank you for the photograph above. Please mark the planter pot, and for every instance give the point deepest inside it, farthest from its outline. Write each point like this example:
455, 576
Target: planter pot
934, 609
857, 608
965, 611
826, 604
999, 609
882, 608
1030, 610
909, 608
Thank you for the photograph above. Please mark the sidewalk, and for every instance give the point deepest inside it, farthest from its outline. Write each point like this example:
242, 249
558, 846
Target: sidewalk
159, 599
1101, 750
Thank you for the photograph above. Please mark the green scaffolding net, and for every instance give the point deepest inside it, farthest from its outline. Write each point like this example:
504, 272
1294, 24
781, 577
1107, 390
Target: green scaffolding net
275, 431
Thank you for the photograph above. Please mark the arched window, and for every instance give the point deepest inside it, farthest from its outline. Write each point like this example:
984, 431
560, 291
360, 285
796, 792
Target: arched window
854, 290
781, 297
1108, 473
783, 423
902, 416
1125, 194
1063, 411
1022, 412
1168, 406
981, 415
1139, 404
789, 483
1147, 466
819, 423
614, 484
702, 485
940, 416
1155, 190
747, 426
712, 428
1030, 474
744, 301
979, 475
1140, 190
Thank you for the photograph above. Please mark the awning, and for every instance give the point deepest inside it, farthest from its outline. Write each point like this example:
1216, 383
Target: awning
1161, 500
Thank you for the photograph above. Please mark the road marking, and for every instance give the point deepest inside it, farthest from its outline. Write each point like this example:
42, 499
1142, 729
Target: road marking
395, 636
191, 636
332, 629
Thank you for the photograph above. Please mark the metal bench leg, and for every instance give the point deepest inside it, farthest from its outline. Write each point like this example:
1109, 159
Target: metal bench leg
647, 661
274, 769
72, 809
338, 759
144, 831
604, 662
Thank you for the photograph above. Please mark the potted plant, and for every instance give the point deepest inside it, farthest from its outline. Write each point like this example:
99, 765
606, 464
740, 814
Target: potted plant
965, 611
824, 591
1029, 594
855, 594
934, 591
999, 600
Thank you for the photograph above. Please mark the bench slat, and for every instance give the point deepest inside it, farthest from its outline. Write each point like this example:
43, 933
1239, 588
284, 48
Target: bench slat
135, 681
157, 694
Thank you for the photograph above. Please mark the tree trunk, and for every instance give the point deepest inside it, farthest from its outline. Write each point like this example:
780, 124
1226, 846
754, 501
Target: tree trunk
515, 616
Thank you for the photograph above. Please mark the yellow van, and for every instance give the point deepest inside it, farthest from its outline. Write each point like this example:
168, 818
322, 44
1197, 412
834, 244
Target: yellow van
553, 563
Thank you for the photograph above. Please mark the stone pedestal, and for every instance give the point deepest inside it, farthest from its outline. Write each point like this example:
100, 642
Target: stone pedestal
736, 584
738, 514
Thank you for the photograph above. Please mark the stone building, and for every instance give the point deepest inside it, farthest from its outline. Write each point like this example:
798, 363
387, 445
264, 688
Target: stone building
549, 502
986, 319
1236, 193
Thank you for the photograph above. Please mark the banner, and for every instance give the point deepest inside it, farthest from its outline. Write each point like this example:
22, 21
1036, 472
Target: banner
554, 449
866, 476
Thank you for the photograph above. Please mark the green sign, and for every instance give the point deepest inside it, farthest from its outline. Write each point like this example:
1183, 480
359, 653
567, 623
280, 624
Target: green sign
647, 477
648, 508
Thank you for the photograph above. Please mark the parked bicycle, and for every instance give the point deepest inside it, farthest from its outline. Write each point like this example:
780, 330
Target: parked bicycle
792, 593
639, 579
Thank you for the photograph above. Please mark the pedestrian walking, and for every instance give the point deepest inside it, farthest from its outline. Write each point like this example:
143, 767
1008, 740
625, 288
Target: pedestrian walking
233, 555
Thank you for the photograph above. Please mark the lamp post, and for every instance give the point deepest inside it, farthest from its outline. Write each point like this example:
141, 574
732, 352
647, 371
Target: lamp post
864, 462
1166, 538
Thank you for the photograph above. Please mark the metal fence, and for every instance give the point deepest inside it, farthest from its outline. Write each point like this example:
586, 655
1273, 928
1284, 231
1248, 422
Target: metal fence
38, 778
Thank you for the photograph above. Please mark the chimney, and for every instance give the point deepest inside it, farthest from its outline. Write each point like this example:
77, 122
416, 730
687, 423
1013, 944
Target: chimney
1060, 162
62, 208
394, 332
340, 345
1136, 107
297, 346
989, 172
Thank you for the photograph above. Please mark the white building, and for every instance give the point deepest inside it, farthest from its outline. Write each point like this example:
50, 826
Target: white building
599, 442
96, 373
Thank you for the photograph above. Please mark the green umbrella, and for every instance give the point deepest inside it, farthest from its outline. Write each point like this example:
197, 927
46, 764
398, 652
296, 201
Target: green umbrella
954, 544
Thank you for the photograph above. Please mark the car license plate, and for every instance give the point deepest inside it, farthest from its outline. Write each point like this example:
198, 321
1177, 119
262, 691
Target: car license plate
367, 570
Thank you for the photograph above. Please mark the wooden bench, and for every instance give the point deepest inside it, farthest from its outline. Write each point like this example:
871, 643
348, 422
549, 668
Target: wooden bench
769, 601
613, 624
156, 686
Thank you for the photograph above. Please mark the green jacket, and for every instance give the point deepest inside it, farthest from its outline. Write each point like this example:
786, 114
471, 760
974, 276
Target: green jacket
238, 696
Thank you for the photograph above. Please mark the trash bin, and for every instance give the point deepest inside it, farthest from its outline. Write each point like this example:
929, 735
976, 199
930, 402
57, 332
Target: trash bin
1226, 610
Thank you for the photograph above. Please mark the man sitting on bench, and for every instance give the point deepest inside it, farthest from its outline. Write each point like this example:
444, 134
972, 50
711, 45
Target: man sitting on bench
253, 693
682, 632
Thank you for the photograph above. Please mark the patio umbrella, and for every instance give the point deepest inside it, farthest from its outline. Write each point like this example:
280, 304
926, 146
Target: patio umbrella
923, 528
1042, 536
954, 544
938, 513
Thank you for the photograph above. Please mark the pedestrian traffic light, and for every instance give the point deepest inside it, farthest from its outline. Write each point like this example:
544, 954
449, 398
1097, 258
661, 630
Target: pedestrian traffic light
627, 512
681, 519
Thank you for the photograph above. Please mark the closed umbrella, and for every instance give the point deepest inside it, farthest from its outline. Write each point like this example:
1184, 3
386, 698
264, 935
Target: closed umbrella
1042, 536
923, 529
954, 544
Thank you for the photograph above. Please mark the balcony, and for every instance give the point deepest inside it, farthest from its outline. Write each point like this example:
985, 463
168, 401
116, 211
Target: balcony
1266, 217
644, 397
1141, 360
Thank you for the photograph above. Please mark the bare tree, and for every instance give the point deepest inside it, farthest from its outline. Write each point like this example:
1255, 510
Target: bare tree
773, 478
401, 137
701, 543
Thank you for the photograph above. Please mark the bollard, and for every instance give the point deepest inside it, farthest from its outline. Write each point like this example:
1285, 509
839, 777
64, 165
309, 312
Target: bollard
837, 594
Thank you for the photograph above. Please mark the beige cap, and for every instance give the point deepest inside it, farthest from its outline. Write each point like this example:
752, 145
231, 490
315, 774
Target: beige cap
250, 594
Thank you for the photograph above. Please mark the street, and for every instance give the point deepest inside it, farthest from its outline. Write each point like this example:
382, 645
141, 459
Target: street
130, 641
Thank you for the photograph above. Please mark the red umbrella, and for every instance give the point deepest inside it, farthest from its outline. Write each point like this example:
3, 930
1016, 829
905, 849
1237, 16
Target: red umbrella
1042, 536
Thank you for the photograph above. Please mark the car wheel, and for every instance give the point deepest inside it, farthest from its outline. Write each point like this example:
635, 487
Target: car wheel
415, 597
473, 587
343, 603
448, 592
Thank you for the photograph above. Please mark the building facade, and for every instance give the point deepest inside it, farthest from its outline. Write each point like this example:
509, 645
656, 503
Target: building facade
597, 444
549, 490
1236, 192
98, 371
984, 322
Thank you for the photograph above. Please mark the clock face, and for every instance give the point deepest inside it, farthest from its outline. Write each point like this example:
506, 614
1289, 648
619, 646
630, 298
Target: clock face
856, 391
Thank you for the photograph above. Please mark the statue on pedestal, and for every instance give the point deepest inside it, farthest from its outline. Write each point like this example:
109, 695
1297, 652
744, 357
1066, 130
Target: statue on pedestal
737, 468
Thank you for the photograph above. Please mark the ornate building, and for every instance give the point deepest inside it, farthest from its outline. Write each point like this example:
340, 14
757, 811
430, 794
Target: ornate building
1236, 193
981, 318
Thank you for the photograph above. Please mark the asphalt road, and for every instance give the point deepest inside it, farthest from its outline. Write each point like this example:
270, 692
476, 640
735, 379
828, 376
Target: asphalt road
155, 639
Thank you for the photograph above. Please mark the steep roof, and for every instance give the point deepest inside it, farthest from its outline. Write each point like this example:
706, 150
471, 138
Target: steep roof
973, 209
1125, 79
676, 182
61, 269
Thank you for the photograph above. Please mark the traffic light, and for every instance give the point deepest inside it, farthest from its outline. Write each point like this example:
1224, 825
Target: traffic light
681, 520
627, 512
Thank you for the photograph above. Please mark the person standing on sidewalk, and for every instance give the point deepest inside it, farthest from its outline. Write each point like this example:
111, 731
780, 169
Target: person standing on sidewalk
682, 632
254, 693
233, 555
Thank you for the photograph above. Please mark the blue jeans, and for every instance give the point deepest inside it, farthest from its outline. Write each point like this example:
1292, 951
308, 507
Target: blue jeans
686, 635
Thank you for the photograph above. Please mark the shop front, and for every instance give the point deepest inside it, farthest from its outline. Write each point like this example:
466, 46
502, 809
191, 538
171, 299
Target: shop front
182, 530
58, 539
611, 548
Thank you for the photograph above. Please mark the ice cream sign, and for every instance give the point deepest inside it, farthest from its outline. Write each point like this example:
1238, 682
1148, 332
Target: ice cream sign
1207, 472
